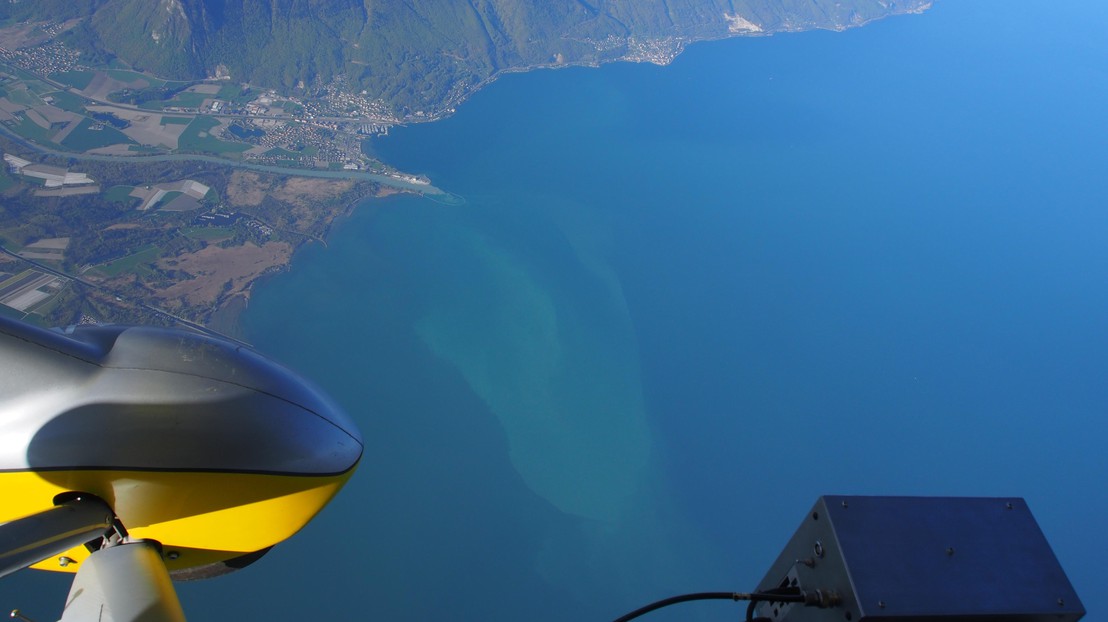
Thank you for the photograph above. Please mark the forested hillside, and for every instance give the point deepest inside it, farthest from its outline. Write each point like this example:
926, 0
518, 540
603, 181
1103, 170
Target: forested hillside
417, 55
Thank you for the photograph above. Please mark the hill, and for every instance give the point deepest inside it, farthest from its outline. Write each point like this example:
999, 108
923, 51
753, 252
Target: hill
421, 57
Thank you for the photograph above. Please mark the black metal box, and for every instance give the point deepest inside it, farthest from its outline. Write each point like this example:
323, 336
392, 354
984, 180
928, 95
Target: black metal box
922, 558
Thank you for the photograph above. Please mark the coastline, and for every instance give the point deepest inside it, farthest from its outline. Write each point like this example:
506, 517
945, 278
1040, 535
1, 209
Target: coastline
660, 51
226, 316
226, 307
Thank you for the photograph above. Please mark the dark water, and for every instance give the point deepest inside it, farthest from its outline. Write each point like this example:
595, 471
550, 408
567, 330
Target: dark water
681, 303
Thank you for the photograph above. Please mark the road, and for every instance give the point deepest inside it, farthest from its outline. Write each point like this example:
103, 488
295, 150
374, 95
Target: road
384, 180
162, 312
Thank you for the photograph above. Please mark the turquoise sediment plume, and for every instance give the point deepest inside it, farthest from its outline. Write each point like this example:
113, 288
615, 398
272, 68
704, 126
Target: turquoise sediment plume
557, 370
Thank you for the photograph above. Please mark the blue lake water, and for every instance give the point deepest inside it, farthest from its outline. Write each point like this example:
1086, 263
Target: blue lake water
681, 303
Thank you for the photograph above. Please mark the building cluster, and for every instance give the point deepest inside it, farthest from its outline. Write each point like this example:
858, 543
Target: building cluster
326, 142
660, 51
43, 59
339, 101
323, 130
261, 228
217, 218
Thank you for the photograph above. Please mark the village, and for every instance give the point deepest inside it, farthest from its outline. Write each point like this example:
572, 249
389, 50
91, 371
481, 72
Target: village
77, 138
48, 98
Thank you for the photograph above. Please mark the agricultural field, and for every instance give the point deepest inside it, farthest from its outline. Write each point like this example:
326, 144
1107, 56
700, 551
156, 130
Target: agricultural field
132, 77
208, 234
146, 127
85, 138
122, 194
197, 137
77, 79
27, 128
68, 101
139, 262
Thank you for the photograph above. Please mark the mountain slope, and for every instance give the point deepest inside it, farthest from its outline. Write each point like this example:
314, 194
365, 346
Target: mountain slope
417, 55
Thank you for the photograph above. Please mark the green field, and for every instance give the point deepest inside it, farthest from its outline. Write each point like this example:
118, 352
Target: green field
196, 138
278, 152
29, 129
188, 100
76, 79
20, 74
138, 262
121, 194
168, 197
83, 138
233, 92
10, 312
23, 97
180, 100
44, 308
38, 87
68, 101
131, 76
208, 234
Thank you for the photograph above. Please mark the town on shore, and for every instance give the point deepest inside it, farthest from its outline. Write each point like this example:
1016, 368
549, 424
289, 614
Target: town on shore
128, 198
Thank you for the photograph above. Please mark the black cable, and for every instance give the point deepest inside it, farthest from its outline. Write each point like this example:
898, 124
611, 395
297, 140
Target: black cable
673, 600
734, 596
776, 594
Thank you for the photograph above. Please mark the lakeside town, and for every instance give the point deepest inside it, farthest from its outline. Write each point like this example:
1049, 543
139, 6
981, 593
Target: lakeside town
129, 197
165, 244
49, 99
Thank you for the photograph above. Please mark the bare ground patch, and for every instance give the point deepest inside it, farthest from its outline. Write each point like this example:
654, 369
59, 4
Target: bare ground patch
220, 272
206, 89
146, 127
304, 195
247, 189
38, 119
308, 190
30, 33
11, 107
103, 84
68, 191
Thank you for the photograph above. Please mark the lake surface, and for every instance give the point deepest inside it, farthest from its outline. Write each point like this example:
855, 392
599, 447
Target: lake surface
681, 303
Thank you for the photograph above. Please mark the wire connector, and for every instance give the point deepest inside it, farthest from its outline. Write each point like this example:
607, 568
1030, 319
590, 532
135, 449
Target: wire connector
824, 599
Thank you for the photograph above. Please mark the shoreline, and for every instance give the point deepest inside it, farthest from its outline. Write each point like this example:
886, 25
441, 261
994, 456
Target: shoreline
226, 316
680, 44
226, 312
